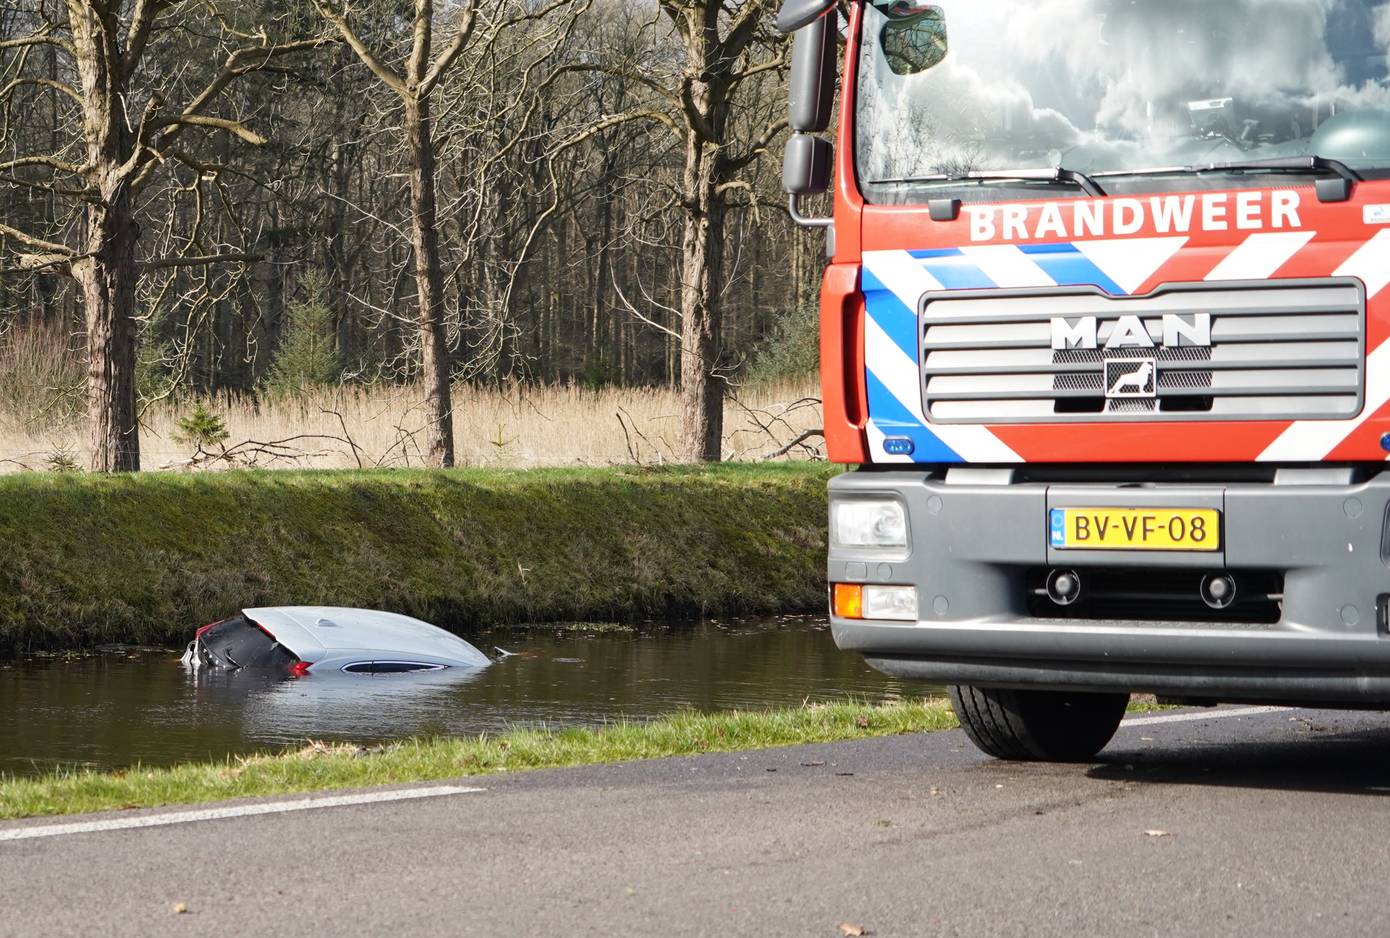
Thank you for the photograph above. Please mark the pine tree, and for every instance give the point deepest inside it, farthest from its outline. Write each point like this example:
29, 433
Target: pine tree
308, 354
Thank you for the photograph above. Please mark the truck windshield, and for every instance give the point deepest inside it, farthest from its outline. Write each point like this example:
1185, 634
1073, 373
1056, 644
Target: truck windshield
957, 94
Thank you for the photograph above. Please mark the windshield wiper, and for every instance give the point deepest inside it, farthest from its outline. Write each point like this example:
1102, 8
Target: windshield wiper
1055, 174
1329, 190
1285, 164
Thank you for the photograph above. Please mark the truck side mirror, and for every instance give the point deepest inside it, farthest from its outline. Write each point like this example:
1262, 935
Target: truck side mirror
807, 162
806, 165
798, 13
812, 86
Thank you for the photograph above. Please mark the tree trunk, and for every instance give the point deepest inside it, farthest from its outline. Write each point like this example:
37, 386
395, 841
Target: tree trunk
107, 278
702, 253
106, 272
429, 279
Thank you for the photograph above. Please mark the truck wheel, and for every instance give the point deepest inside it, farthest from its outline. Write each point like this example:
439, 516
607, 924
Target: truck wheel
1038, 725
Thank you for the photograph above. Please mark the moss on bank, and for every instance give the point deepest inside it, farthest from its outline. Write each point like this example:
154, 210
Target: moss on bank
319, 766
144, 558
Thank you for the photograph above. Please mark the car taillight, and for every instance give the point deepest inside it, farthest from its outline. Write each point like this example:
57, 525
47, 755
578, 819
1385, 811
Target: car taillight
299, 669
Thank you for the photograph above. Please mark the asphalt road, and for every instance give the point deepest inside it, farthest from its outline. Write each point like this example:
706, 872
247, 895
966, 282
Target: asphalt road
1265, 824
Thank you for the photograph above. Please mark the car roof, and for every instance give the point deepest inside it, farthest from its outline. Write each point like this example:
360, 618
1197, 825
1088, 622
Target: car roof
318, 633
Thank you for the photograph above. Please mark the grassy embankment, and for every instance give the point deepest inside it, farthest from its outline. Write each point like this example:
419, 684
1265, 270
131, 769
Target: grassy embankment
318, 767
146, 558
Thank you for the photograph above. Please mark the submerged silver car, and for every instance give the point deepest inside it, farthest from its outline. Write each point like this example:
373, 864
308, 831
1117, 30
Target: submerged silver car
297, 639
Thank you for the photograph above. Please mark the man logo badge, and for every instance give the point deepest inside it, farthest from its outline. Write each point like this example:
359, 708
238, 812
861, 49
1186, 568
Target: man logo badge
1131, 377
1083, 332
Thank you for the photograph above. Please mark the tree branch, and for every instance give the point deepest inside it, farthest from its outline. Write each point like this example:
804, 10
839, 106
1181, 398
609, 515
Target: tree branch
421, 38
622, 73
45, 83
62, 166
768, 66
379, 68
743, 28
38, 263
446, 59
239, 62
43, 37
218, 123
758, 147
48, 247
697, 120
613, 120
138, 36
165, 263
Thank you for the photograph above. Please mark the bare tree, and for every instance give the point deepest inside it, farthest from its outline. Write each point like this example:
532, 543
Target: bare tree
414, 84
721, 54
722, 47
126, 124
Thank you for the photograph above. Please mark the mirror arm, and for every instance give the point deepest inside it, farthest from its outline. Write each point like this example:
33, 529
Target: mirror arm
794, 210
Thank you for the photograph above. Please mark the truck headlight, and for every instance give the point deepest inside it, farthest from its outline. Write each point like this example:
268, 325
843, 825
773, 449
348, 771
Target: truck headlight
869, 522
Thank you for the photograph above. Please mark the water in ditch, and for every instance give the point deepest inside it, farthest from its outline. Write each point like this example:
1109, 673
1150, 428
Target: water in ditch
120, 708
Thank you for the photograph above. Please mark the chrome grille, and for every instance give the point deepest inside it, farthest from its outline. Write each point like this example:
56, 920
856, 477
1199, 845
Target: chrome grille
1282, 349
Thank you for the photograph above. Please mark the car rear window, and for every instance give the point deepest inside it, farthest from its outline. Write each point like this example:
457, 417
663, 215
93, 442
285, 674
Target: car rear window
239, 642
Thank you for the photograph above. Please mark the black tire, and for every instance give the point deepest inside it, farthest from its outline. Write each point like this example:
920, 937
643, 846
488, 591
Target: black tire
1038, 725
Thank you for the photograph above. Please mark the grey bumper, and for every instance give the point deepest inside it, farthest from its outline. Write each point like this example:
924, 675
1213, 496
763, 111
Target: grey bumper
973, 546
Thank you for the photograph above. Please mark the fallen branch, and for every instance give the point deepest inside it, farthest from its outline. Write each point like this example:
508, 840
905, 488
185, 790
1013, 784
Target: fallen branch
356, 450
248, 452
627, 438
800, 441
660, 456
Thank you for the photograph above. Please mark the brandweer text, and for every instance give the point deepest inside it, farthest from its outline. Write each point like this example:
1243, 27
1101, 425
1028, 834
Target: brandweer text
1254, 210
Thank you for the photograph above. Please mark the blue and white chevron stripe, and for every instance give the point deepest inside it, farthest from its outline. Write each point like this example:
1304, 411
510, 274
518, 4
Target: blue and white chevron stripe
893, 283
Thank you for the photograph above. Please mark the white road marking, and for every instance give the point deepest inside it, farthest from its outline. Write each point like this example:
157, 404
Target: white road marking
243, 810
1203, 715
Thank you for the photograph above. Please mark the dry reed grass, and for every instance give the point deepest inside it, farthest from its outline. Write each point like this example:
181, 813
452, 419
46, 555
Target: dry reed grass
518, 426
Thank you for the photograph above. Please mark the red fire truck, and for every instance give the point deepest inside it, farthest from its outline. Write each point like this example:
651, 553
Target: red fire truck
1104, 333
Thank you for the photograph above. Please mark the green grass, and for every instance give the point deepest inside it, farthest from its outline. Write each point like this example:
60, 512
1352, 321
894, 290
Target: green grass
143, 559
1147, 703
324, 766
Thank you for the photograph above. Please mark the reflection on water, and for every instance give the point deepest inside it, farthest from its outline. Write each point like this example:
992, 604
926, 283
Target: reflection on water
119, 709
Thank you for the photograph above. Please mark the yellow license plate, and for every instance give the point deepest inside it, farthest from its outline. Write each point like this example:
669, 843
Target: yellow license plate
1134, 529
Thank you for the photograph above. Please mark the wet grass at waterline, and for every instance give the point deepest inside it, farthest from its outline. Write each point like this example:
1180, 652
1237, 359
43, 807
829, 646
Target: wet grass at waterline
319, 766
145, 559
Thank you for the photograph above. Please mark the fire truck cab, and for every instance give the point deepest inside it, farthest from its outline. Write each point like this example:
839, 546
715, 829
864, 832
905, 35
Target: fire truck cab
1104, 332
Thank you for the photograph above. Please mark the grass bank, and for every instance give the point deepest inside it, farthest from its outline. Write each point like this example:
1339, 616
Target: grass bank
145, 558
318, 766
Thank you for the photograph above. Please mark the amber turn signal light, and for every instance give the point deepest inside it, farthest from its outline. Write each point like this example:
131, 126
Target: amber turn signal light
849, 600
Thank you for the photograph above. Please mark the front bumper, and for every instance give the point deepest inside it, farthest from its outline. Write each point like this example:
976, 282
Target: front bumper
975, 544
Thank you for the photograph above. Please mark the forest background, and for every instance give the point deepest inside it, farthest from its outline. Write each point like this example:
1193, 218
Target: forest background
290, 233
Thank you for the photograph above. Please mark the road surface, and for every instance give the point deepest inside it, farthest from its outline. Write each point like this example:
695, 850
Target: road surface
1236, 822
